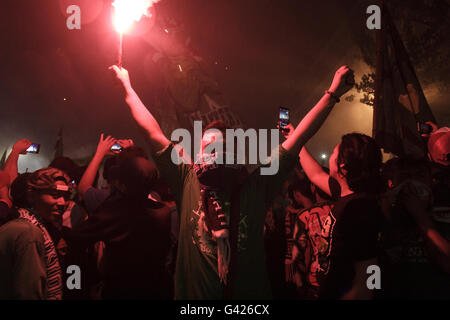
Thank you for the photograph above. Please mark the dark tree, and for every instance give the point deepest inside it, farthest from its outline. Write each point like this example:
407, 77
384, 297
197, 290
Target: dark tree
424, 27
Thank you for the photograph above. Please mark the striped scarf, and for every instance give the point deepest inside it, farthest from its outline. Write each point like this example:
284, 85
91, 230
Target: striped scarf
54, 274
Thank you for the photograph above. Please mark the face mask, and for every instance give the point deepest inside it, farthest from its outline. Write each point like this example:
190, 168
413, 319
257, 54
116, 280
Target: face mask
215, 176
216, 184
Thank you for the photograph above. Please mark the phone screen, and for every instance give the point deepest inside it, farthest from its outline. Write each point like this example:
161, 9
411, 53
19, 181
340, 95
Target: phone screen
116, 147
34, 148
425, 128
284, 117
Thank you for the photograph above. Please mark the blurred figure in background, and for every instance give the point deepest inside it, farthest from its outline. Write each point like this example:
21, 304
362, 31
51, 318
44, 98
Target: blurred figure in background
302, 198
415, 237
91, 196
136, 232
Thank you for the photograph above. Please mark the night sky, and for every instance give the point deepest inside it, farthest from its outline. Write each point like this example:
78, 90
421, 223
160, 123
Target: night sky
268, 53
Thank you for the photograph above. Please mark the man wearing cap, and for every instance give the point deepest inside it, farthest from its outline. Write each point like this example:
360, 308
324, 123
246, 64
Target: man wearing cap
29, 262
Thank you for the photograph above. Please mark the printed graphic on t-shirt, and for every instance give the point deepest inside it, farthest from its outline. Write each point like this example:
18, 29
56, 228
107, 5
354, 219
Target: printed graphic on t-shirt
318, 225
201, 236
203, 239
295, 260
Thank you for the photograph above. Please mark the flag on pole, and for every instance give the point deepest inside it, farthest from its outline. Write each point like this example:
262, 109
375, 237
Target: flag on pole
3, 160
399, 100
59, 146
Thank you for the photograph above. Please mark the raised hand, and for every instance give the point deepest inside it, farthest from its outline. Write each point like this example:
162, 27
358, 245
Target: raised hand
343, 81
126, 143
287, 130
121, 75
21, 146
104, 146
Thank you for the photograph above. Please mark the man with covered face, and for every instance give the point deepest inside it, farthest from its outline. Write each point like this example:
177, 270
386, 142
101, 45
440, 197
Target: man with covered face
222, 207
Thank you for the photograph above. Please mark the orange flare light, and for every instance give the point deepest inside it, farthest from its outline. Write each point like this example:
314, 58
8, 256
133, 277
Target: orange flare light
126, 12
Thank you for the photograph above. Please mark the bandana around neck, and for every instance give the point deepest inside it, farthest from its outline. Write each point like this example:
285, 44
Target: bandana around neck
54, 274
216, 184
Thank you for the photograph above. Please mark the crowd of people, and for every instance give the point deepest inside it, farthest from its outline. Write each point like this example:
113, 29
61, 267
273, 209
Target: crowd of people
163, 228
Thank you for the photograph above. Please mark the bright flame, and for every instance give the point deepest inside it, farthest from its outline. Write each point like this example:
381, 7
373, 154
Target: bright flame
128, 11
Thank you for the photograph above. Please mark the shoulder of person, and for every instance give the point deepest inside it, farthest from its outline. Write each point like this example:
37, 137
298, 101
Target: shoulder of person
22, 230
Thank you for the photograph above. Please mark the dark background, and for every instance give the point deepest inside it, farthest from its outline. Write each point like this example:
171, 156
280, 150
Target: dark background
268, 53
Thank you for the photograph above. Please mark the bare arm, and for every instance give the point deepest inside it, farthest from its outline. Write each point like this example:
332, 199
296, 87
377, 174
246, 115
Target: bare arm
19, 148
4, 188
88, 178
310, 124
145, 120
437, 246
311, 167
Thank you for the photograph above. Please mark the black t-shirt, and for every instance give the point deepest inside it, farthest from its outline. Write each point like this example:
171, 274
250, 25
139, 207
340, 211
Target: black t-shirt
335, 188
353, 226
406, 256
137, 238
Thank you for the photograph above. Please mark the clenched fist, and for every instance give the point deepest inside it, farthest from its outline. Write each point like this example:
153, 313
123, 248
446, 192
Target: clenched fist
122, 75
21, 146
343, 81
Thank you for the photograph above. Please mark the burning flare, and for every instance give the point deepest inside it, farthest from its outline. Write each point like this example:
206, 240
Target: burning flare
128, 11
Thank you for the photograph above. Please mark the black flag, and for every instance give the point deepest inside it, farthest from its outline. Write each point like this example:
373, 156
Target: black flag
399, 100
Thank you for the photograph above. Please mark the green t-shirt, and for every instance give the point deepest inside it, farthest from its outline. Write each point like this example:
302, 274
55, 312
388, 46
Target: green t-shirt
196, 270
23, 268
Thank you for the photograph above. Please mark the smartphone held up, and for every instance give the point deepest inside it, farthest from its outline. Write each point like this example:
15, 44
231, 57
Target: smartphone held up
34, 148
284, 118
424, 128
116, 148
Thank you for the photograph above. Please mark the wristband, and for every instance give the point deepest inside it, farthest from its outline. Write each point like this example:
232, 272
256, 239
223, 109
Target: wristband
333, 95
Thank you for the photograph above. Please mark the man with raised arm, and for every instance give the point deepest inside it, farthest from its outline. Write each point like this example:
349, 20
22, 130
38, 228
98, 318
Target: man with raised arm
208, 195
11, 165
7, 177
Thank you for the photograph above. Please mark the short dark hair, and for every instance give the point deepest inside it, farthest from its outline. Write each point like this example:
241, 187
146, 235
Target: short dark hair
359, 161
111, 164
130, 152
303, 186
66, 165
19, 189
138, 175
